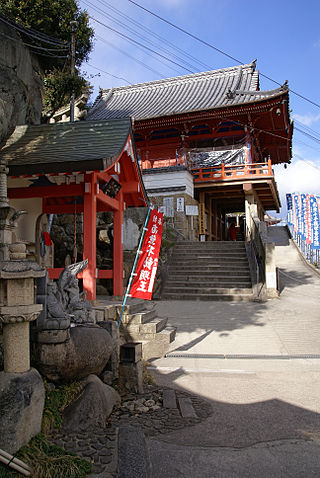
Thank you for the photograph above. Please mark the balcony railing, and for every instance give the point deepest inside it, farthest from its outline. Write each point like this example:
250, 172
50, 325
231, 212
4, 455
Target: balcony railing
232, 172
221, 172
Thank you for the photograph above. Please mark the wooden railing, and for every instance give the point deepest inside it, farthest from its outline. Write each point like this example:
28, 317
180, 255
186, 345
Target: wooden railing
231, 172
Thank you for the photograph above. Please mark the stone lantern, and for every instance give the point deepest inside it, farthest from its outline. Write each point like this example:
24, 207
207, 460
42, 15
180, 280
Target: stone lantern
21, 387
17, 309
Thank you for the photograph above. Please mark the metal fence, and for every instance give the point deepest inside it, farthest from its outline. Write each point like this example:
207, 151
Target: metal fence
311, 255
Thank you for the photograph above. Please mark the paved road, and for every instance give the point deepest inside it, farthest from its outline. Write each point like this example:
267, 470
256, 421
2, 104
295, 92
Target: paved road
266, 412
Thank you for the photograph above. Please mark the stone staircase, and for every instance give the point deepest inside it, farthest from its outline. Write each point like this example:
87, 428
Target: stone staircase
140, 323
209, 271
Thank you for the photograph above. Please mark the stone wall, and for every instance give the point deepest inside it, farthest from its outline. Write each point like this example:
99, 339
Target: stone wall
20, 85
188, 226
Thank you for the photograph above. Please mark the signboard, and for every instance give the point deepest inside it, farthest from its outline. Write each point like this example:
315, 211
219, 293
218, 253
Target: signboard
143, 282
180, 204
168, 204
202, 219
192, 211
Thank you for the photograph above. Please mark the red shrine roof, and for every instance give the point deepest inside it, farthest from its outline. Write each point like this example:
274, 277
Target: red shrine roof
208, 90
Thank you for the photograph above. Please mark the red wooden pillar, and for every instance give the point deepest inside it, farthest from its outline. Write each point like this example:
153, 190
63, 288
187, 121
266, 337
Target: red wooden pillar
89, 235
118, 248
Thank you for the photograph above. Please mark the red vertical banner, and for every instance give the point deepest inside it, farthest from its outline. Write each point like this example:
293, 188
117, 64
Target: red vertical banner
145, 274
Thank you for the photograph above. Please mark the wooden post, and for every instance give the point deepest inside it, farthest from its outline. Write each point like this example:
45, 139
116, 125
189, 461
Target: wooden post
118, 248
89, 235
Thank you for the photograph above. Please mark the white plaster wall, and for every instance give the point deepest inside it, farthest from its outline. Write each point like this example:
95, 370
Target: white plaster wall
27, 223
169, 179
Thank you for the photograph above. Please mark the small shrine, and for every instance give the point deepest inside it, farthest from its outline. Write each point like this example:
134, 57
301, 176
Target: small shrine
71, 168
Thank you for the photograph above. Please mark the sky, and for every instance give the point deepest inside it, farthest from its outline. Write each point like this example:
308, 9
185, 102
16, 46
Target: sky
283, 36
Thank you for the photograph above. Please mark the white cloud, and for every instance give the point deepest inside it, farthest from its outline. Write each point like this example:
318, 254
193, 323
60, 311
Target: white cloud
317, 44
307, 119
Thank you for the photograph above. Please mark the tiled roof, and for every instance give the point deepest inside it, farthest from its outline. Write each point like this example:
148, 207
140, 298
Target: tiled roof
65, 147
200, 91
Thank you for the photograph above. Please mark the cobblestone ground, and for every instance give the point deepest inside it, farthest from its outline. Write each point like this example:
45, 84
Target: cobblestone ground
100, 445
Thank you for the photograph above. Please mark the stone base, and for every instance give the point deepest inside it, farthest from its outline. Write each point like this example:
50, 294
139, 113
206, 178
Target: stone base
86, 352
272, 293
53, 336
130, 377
21, 405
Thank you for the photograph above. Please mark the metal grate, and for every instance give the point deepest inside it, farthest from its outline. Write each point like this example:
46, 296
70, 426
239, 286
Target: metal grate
244, 356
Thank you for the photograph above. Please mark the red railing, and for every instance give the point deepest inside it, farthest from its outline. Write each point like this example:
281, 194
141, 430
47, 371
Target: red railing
230, 172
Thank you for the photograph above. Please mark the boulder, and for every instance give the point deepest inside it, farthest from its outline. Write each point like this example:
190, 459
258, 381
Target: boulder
86, 352
21, 405
92, 408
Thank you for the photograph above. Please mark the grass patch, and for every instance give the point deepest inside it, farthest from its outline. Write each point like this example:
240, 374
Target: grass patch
56, 401
48, 461
146, 375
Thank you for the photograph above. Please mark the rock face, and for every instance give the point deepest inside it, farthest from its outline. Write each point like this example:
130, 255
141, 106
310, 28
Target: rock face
92, 408
86, 352
20, 86
21, 405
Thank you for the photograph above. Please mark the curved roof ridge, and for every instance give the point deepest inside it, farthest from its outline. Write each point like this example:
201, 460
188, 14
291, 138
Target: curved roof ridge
183, 78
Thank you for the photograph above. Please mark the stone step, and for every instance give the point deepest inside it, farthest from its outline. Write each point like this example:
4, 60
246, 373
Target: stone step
208, 297
208, 283
133, 306
209, 261
214, 255
208, 290
159, 346
147, 331
139, 317
207, 276
210, 269
210, 272
211, 243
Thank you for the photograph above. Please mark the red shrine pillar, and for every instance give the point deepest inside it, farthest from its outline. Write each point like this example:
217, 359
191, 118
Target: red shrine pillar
89, 235
118, 248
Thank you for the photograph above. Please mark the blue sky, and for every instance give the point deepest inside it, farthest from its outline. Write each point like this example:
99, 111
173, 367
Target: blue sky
284, 36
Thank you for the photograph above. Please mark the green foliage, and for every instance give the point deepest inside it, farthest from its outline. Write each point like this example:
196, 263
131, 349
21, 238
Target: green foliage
57, 88
48, 461
56, 401
53, 18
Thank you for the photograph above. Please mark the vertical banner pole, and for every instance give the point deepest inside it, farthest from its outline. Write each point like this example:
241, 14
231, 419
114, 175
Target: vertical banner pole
134, 266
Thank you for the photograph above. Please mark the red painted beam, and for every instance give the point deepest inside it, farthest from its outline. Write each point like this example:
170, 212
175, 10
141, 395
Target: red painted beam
105, 274
108, 201
46, 191
54, 273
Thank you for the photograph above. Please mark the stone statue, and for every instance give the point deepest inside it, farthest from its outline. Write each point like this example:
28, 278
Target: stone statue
73, 301
54, 302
